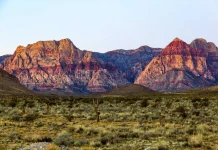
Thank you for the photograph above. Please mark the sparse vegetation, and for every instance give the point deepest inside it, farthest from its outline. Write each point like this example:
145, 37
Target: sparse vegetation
159, 121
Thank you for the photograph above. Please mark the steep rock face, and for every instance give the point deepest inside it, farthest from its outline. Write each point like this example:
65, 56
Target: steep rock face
211, 52
176, 67
132, 62
60, 65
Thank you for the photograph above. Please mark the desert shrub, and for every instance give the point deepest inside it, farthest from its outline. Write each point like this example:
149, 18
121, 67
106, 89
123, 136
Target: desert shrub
198, 102
201, 128
123, 134
196, 112
71, 129
64, 139
158, 100
69, 117
182, 111
190, 131
133, 135
152, 133
37, 138
196, 99
79, 143
195, 140
79, 130
2, 110
15, 115
168, 104
39, 124
92, 131
109, 138
91, 117
14, 136
32, 137
13, 102
144, 103
30, 116
163, 145
155, 105
144, 136
45, 139
96, 143
205, 102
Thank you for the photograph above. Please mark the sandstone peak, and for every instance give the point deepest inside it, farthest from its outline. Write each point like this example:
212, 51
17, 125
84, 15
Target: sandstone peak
202, 45
66, 40
177, 39
177, 43
200, 40
178, 47
211, 44
198, 43
180, 66
20, 46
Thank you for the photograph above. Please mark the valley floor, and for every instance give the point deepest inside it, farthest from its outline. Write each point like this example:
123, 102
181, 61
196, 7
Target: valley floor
162, 122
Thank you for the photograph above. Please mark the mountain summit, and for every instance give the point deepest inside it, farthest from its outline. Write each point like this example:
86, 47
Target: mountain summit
178, 67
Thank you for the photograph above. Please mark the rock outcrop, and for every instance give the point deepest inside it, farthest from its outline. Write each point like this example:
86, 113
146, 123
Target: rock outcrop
132, 62
211, 52
180, 66
60, 65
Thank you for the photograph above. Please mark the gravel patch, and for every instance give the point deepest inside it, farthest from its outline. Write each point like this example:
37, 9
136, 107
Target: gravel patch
41, 146
36, 146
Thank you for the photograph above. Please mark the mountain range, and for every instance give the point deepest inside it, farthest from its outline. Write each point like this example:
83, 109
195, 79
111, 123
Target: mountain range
61, 66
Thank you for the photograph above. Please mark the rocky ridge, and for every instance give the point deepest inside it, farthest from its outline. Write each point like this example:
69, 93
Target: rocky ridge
61, 66
180, 66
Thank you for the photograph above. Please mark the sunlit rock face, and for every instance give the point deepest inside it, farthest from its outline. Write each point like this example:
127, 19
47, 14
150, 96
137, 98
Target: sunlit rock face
180, 66
60, 65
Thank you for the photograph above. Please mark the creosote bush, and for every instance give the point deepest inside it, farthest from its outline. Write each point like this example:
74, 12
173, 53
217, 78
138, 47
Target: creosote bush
195, 140
14, 136
64, 139
29, 117
144, 103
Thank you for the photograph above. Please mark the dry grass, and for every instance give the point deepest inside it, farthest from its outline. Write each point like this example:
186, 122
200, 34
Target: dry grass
196, 140
124, 124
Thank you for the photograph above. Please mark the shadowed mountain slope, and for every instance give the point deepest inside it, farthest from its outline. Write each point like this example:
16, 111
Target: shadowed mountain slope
10, 85
130, 89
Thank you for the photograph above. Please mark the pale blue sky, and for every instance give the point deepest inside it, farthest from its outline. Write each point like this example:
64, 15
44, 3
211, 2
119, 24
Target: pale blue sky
103, 25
